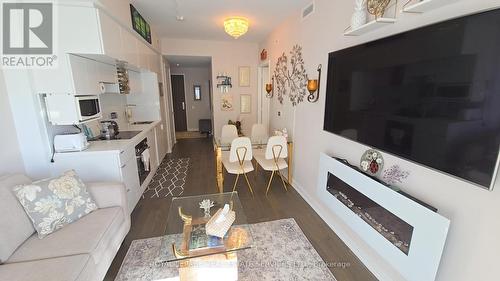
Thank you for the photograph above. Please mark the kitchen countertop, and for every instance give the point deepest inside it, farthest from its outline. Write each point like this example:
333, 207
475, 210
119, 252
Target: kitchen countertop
117, 146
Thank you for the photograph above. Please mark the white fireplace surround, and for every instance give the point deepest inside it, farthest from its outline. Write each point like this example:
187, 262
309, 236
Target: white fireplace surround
379, 255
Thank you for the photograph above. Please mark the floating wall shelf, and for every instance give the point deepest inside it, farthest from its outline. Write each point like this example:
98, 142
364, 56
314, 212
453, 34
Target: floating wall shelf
371, 26
425, 5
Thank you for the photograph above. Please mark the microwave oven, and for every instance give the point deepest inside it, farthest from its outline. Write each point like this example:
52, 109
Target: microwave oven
88, 108
67, 109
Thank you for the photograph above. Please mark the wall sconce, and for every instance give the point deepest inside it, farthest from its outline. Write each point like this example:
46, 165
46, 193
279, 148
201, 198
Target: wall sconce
270, 88
313, 87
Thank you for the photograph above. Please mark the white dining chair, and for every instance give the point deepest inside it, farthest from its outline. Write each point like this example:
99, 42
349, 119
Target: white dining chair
274, 158
259, 134
228, 134
239, 160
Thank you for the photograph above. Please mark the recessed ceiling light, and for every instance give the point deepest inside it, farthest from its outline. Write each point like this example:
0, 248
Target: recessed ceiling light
180, 18
178, 64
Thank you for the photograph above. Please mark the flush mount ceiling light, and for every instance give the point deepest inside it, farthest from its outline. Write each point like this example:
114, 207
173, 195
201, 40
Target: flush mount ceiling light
236, 26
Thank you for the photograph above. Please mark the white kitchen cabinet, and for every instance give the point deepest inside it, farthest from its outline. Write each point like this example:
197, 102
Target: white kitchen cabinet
87, 74
161, 141
107, 73
130, 177
143, 54
111, 34
153, 149
129, 47
135, 82
105, 166
83, 72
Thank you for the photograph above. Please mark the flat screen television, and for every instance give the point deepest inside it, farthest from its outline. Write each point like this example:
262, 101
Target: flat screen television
430, 95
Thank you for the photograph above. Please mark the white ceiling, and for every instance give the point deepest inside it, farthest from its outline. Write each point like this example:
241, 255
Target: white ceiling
203, 19
189, 61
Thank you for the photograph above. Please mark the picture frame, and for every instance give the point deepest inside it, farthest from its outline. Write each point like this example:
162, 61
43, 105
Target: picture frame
245, 104
227, 102
197, 92
244, 76
140, 25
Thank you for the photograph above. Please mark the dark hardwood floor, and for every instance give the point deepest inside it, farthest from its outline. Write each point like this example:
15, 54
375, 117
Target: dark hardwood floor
149, 216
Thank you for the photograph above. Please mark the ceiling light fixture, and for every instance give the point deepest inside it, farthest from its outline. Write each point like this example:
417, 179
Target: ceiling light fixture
180, 18
236, 26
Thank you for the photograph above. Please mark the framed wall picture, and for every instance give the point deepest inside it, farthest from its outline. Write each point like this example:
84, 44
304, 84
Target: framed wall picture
197, 92
246, 104
227, 102
140, 25
244, 76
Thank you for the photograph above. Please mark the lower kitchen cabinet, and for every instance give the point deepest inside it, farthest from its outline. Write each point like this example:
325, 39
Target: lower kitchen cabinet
104, 166
130, 177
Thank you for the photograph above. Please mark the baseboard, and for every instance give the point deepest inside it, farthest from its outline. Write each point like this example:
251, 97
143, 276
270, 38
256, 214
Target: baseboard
193, 129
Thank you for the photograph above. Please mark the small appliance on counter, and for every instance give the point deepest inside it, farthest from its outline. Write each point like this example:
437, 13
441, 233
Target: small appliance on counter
110, 130
70, 142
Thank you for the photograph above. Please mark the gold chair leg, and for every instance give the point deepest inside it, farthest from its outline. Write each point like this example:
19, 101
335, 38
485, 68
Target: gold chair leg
236, 182
248, 182
283, 181
269, 184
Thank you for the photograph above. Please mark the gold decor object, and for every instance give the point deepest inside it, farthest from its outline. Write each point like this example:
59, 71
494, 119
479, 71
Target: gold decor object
313, 87
377, 7
236, 26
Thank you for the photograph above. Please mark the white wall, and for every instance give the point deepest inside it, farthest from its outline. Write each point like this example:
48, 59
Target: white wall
473, 244
195, 109
226, 57
11, 160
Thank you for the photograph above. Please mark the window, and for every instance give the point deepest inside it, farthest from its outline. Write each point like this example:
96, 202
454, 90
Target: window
197, 92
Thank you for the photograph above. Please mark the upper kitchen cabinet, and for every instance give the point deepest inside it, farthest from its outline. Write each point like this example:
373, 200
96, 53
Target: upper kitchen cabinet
72, 20
111, 33
129, 47
86, 75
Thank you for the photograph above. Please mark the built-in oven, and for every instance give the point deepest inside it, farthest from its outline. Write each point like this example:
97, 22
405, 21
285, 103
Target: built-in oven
143, 160
88, 107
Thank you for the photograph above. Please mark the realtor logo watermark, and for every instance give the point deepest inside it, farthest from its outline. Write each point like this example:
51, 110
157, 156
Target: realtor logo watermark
28, 35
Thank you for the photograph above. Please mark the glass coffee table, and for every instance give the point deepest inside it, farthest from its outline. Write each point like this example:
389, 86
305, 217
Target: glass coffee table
187, 243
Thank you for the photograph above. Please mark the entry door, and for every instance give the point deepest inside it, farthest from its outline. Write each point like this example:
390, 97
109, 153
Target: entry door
179, 100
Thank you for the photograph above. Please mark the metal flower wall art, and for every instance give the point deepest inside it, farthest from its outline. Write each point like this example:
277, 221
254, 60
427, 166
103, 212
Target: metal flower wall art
291, 79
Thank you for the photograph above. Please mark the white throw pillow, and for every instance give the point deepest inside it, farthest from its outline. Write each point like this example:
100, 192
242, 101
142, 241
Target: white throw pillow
53, 203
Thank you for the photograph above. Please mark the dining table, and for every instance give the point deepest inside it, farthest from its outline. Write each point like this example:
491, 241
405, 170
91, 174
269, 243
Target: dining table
220, 146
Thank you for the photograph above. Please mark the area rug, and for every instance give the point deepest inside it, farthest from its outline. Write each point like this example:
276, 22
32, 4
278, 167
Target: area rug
281, 252
169, 179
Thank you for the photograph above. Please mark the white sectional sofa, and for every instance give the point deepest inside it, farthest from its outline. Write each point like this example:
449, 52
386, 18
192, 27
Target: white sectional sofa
82, 250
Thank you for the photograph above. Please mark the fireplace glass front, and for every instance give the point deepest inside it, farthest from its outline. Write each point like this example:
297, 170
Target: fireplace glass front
390, 226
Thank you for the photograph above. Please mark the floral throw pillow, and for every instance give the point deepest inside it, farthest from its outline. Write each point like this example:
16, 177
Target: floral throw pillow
53, 203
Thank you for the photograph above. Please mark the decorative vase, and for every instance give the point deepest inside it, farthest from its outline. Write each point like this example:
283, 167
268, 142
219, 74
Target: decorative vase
359, 16
358, 19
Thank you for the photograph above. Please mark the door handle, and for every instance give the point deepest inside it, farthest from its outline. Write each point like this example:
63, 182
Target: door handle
183, 106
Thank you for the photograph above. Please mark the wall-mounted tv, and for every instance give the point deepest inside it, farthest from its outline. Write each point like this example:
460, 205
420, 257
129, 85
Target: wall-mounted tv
140, 25
430, 95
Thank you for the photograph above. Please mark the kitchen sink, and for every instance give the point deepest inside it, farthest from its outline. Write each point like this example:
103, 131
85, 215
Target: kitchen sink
142, 123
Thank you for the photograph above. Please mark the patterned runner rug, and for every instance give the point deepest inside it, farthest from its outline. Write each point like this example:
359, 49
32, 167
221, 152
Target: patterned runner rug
169, 179
281, 251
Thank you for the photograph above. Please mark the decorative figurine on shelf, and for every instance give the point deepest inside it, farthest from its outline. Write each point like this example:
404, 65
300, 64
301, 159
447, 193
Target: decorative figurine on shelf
359, 16
372, 162
377, 7
206, 205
